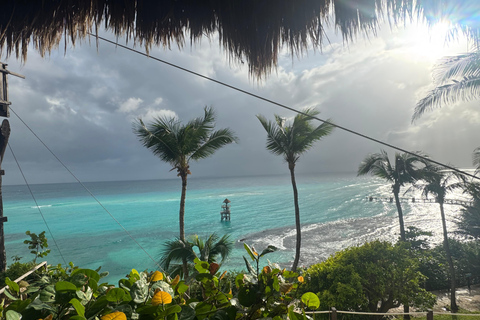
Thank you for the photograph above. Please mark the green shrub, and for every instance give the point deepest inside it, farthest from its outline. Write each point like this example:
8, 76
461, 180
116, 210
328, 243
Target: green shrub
374, 277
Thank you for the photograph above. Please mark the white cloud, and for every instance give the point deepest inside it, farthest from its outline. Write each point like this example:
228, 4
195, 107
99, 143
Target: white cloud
152, 114
131, 104
158, 101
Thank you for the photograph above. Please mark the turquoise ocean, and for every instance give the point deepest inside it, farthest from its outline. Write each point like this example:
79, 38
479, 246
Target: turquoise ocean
335, 214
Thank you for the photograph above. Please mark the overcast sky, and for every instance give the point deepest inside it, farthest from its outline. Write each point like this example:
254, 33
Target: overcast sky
82, 103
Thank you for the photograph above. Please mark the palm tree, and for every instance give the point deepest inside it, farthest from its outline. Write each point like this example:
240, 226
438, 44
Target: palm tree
456, 78
439, 183
177, 144
403, 172
291, 141
209, 250
476, 160
469, 220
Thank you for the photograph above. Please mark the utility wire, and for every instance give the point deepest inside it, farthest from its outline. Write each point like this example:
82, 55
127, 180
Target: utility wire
88, 190
36, 204
284, 106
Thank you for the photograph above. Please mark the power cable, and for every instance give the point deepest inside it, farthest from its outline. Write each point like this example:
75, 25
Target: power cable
36, 204
284, 106
88, 190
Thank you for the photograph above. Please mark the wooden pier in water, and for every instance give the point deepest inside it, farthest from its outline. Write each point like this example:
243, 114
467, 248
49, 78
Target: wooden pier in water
225, 213
416, 200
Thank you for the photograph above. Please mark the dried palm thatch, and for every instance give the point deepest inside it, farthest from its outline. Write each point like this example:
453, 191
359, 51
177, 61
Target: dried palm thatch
250, 30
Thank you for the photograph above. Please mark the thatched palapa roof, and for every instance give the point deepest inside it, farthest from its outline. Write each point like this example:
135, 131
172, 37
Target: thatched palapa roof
249, 30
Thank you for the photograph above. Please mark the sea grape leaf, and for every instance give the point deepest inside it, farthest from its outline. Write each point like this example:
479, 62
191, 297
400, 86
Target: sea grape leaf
13, 315
139, 291
115, 295
63, 286
269, 249
92, 274
247, 296
249, 251
79, 308
311, 300
12, 285
162, 285
249, 267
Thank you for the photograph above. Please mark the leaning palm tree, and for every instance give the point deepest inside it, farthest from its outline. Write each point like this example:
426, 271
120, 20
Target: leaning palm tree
177, 144
291, 141
209, 250
456, 78
403, 172
439, 183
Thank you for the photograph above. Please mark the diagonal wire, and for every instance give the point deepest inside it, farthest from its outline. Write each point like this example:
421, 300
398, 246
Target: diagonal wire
36, 204
88, 190
284, 106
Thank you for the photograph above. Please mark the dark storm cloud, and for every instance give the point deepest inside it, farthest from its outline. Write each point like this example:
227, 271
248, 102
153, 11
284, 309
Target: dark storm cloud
82, 105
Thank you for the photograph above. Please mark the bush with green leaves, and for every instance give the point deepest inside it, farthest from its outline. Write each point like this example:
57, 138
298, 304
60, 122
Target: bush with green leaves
78, 294
374, 277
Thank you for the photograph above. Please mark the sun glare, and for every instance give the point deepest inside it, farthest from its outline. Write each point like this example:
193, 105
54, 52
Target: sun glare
430, 43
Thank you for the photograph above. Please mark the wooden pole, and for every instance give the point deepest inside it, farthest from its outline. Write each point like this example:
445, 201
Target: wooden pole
4, 135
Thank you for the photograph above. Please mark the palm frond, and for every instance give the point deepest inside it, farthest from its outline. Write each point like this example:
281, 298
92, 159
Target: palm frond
376, 164
215, 141
459, 66
276, 136
293, 139
175, 251
465, 90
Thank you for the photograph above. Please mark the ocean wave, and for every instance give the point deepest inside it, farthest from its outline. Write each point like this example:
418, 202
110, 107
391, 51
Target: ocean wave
42, 206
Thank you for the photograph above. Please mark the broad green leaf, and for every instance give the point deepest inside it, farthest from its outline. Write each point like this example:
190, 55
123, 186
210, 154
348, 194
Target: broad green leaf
9, 295
12, 285
13, 315
115, 295
148, 309
134, 275
187, 313
311, 300
269, 249
96, 307
182, 288
203, 277
19, 305
247, 296
62, 286
289, 274
92, 274
249, 251
203, 309
173, 309
48, 294
78, 307
77, 317
202, 266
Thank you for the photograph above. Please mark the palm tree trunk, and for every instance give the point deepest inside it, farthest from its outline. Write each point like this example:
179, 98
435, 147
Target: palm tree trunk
446, 246
297, 217
182, 218
406, 307
400, 216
